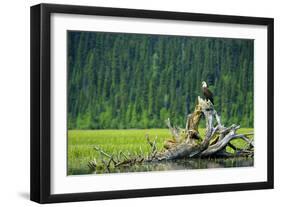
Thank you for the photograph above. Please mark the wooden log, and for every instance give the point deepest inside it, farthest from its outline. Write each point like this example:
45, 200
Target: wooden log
216, 137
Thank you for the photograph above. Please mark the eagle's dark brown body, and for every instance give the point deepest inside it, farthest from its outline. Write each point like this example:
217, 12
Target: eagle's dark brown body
207, 93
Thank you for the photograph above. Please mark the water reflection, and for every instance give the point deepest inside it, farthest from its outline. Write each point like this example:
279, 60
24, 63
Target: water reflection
182, 164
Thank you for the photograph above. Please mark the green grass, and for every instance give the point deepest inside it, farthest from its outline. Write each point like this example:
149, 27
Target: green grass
130, 141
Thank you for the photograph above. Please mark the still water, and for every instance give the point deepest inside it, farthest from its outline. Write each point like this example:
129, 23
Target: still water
183, 164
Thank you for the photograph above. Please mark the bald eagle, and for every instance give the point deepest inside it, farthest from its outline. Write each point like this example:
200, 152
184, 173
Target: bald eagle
207, 93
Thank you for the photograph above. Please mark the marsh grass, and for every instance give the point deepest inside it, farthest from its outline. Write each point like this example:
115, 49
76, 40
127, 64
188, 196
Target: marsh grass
130, 141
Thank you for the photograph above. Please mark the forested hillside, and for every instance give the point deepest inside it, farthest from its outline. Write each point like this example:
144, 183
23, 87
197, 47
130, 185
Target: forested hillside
137, 81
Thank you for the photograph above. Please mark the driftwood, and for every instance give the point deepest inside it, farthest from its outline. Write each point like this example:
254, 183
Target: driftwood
217, 137
187, 142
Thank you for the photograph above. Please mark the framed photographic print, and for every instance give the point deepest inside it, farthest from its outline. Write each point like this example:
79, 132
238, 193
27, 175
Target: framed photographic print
132, 103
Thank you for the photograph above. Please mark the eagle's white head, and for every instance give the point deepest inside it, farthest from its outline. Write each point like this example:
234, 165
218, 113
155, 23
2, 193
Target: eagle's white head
204, 84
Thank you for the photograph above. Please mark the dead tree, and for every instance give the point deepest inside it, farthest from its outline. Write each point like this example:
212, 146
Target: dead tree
188, 143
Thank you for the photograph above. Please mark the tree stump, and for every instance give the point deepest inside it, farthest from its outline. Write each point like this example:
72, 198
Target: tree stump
187, 143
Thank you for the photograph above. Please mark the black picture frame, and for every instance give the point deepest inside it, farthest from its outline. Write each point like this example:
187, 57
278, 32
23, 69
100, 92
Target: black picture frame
41, 99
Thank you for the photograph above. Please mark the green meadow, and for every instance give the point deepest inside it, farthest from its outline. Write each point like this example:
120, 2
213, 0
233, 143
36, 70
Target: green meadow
130, 141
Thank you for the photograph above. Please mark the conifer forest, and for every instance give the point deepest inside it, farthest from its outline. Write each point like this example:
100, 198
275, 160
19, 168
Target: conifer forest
125, 81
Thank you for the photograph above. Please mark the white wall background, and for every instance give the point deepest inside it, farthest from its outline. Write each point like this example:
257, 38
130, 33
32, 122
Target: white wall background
14, 101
